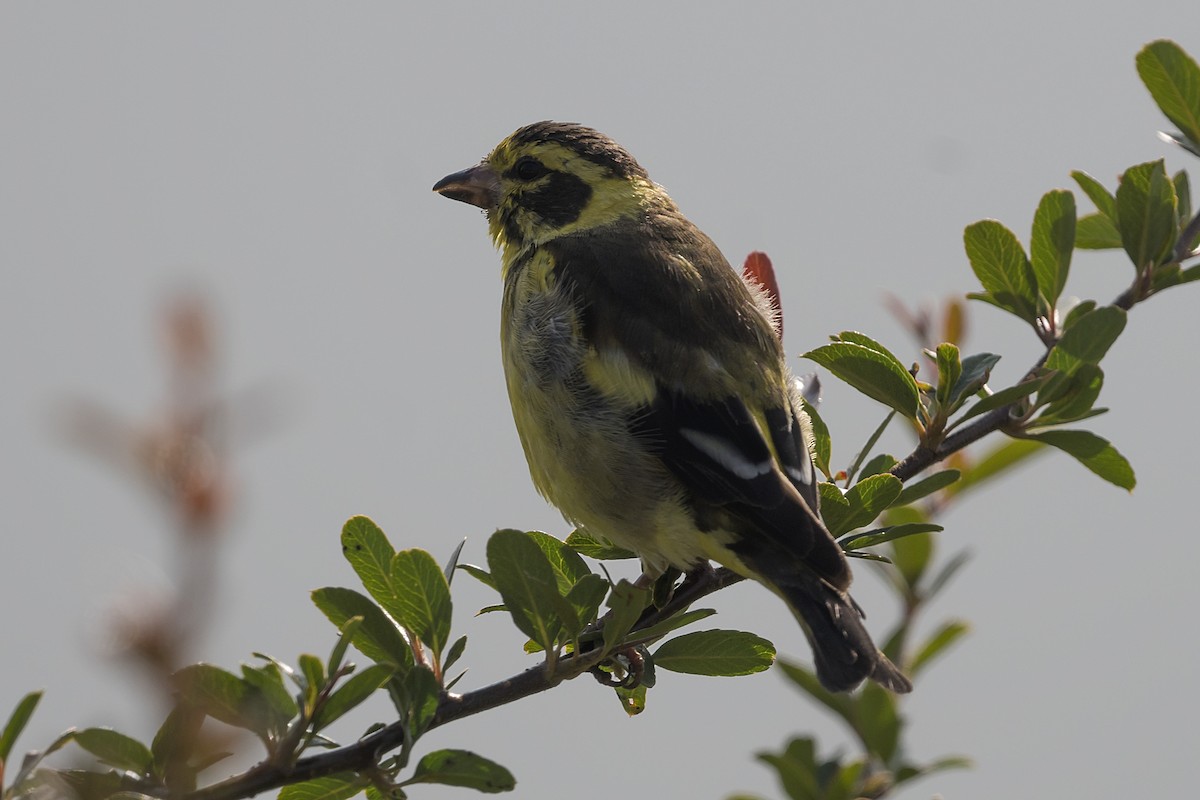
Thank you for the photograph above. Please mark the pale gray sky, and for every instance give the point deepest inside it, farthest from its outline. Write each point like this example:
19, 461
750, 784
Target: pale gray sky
280, 157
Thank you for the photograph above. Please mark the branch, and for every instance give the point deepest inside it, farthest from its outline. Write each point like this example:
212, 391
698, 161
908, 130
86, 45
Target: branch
364, 755
997, 419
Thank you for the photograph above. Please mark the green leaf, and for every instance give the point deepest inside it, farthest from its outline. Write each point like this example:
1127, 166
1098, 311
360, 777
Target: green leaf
878, 723
116, 749
909, 772
528, 584
452, 562
798, 769
1004, 397
416, 696
1171, 274
370, 554
462, 768
1146, 213
822, 445
479, 574
220, 694
876, 374
35, 757
925, 487
1165, 276
172, 747
661, 629
450, 684
341, 786
1087, 340
393, 793
1180, 140
872, 440
997, 460
1096, 232
491, 609
1000, 264
1058, 384
976, 370
1077, 312
1183, 198
585, 597
878, 465
716, 652
834, 506
1103, 199
1094, 452
17, 721
949, 367
1052, 242
888, 534
313, 671
377, 637
1076, 403
946, 635
79, 783
948, 571
454, 653
345, 636
354, 691
841, 704
865, 556
421, 597
584, 543
854, 337
1173, 79
276, 704
847, 781
626, 603
911, 556
568, 567
860, 505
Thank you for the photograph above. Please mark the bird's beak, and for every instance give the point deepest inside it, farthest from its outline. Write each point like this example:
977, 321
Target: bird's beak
478, 186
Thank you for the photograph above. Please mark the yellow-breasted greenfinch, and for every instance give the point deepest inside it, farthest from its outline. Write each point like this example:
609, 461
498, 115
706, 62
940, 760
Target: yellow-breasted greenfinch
649, 387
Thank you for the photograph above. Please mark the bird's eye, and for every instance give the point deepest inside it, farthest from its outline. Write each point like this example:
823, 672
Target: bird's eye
529, 169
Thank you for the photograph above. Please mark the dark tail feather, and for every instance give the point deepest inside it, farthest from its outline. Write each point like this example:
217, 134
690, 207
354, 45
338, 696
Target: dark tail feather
842, 648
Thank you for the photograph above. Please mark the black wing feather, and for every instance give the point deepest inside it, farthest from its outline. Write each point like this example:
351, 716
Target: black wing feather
771, 506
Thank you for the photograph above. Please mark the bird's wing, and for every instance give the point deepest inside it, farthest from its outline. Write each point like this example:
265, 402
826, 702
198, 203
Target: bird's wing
715, 408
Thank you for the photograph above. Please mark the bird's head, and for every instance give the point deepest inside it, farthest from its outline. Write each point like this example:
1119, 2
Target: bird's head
550, 179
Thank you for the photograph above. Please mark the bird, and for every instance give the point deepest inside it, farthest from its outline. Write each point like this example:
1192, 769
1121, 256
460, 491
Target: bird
649, 386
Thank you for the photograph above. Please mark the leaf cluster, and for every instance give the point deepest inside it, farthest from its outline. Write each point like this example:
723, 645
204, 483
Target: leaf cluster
1149, 216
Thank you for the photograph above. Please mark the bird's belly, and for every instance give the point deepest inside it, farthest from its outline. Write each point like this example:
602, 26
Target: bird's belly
584, 459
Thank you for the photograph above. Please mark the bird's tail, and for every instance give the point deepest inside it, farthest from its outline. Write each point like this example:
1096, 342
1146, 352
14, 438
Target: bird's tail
842, 648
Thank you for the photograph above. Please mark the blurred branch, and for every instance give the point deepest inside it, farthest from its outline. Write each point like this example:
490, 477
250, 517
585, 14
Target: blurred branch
182, 458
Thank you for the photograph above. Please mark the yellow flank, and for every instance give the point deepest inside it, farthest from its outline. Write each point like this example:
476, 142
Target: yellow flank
610, 372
